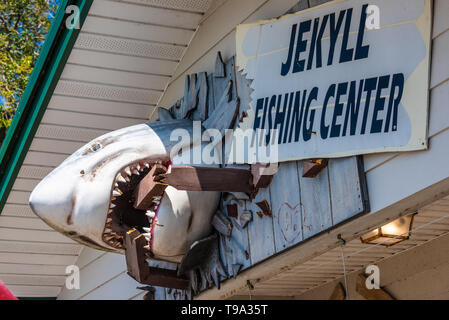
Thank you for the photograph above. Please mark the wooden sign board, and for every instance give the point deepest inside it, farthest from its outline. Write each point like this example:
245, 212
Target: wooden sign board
345, 78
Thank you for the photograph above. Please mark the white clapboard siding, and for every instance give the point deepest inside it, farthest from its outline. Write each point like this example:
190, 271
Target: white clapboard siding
32, 291
126, 79
68, 133
105, 92
408, 173
93, 275
138, 31
34, 172
18, 210
55, 145
122, 62
51, 159
129, 47
37, 258
148, 15
88, 255
115, 289
99, 107
32, 235
40, 280
24, 223
69, 118
41, 247
185, 5
32, 269
18, 196
440, 21
25, 184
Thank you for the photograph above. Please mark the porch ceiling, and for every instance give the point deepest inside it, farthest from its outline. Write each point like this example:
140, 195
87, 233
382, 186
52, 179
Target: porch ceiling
431, 222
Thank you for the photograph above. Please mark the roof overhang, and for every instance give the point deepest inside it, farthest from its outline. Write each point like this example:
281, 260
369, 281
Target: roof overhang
107, 75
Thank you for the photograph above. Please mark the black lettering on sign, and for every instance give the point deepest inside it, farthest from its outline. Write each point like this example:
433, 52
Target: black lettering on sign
324, 129
338, 109
298, 45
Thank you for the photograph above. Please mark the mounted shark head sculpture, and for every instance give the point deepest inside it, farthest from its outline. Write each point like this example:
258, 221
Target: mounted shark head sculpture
83, 196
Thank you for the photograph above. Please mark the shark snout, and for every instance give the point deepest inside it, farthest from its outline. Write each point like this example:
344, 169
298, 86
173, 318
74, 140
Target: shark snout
53, 201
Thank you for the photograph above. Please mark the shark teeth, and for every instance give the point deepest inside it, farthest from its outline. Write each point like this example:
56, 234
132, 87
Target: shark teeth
120, 178
126, 179
150, 214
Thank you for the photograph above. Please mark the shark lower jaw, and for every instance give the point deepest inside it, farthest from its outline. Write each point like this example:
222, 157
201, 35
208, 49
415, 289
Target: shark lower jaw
121, 215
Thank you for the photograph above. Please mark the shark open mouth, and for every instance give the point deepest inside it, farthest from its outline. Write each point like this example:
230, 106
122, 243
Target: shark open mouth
122, 215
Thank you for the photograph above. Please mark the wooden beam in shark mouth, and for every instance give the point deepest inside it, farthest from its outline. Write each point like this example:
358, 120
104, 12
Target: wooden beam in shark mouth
197, 179
139, 269
149, 188
208, 179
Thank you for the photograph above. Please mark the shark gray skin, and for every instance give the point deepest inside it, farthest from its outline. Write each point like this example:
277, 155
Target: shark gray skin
80, 197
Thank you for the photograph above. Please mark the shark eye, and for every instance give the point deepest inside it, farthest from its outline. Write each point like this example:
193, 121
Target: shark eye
95, 147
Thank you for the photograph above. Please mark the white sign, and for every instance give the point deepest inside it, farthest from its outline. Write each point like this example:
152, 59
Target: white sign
345, 78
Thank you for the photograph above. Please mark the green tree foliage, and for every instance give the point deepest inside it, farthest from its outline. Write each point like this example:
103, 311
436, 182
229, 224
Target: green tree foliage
23, 27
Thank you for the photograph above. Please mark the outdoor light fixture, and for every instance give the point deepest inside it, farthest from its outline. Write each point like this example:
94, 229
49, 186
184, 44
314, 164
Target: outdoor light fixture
391, 233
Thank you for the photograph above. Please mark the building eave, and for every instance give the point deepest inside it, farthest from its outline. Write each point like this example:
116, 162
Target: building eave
40, 87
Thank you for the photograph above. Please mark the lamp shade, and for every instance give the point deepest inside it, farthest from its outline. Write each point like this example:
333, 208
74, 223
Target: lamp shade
391, 233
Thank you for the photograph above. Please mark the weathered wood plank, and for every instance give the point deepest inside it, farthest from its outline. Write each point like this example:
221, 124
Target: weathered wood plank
175, 294
260, 230
238, 243
315, 199
176, 109
201, 92
205, 179
224, 115
348, 188
244, 93
164, 114
148, 188
160, 292
286, 206
189, 101
220, 71
221, 83
210, 94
